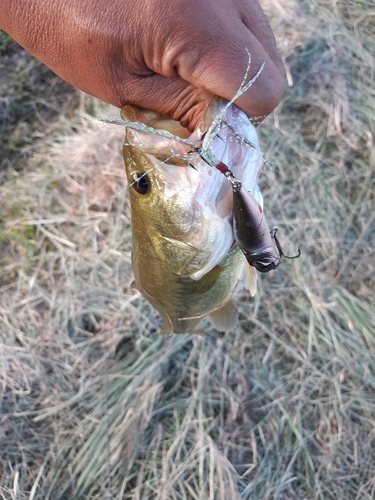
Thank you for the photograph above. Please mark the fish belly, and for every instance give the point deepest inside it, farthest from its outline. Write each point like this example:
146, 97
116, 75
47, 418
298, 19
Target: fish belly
184, 302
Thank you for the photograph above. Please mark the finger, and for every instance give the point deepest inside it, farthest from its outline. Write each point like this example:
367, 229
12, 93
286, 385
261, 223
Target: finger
254, 18
173, 97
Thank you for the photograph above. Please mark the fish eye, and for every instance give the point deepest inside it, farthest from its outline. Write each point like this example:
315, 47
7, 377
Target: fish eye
141, 182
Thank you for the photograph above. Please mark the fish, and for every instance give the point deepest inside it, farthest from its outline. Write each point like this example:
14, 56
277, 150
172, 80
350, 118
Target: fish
185, 259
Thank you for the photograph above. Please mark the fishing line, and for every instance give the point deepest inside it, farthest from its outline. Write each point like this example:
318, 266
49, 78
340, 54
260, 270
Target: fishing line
243, 88
135, 181
145, 128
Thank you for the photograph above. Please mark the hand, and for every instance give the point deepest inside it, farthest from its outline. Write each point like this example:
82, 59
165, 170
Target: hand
169, 56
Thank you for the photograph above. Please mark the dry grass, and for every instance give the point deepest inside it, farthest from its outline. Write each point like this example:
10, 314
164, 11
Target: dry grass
95, 404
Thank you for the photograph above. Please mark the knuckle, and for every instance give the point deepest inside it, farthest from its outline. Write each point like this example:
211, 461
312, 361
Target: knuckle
266, 93
184, 56
275, 89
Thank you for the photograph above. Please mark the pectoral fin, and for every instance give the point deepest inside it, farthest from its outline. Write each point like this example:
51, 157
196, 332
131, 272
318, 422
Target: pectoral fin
225, 317
249, 278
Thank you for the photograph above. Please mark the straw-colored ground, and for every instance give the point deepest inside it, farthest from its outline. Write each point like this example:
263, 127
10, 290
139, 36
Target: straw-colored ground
95, 403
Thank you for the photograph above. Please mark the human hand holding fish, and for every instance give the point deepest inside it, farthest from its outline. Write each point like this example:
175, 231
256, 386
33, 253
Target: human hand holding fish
169, 56
189, 239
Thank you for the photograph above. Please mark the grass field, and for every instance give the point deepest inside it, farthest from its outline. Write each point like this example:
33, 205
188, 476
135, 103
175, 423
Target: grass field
95, 404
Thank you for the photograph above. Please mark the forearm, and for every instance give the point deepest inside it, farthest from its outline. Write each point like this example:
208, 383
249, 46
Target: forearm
37, 25
31, 23
58, 34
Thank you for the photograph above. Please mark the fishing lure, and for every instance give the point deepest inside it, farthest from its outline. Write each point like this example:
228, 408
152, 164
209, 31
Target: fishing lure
251, 230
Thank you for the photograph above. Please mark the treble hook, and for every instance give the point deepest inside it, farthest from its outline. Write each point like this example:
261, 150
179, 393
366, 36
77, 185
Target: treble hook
273, 231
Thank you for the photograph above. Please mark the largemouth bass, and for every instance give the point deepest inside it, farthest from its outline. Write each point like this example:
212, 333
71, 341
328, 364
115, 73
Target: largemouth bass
185, 259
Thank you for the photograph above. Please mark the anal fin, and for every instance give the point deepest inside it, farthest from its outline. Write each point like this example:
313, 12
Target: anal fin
225, 317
